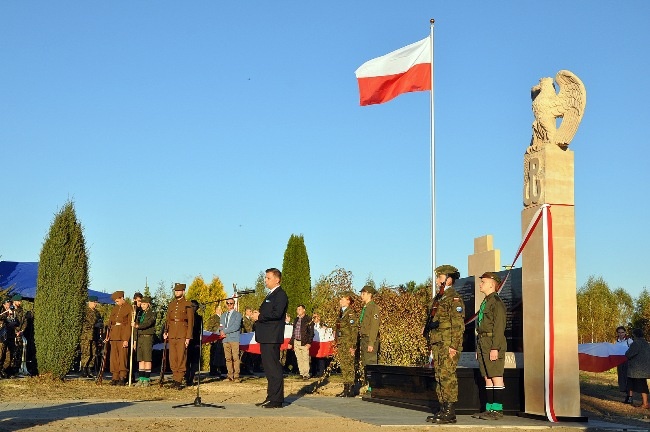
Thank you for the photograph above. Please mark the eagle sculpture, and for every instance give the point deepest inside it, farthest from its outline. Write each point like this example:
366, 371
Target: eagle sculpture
568, 104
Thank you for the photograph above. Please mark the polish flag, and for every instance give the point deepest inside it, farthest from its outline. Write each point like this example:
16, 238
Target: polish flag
599, 357
406, 70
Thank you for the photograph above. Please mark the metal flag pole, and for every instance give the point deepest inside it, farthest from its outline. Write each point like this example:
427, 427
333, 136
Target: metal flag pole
433, 178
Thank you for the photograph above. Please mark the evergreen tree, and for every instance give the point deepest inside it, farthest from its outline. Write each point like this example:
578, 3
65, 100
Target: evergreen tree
296, 279
61, 293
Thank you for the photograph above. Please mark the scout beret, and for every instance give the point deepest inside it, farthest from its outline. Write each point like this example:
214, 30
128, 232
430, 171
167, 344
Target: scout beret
369, 289
17, 297
116, 295
146, 299
92, 298
493, 276
179, 287
446, 269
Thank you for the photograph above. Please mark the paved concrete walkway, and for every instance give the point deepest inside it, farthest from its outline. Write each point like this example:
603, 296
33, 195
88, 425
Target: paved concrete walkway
309, 407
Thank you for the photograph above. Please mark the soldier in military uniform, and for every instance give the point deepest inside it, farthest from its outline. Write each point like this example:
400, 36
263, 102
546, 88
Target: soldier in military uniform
491, 346
119, 335
446, 339
180, 322
368, 330
21, 324
8, 324
89, 337
346, 342
145, 327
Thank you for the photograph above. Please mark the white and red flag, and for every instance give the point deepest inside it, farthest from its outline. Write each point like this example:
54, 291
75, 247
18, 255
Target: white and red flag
407, 69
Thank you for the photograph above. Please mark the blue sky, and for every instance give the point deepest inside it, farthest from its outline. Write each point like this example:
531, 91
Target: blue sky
195, 138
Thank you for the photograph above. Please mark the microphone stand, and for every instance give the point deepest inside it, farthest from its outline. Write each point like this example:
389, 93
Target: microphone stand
197, 401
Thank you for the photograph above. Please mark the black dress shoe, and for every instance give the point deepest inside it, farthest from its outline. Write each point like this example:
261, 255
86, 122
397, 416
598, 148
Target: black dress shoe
272, 405
262, 403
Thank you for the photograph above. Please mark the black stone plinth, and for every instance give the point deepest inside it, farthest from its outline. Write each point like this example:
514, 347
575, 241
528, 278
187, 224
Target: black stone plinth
414, 387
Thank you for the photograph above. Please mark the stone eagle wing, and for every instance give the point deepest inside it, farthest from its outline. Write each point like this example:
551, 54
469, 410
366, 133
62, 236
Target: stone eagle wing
573, 98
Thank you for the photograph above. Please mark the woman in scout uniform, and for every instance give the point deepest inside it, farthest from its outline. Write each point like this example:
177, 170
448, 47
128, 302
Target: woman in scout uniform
145, 326
346, 338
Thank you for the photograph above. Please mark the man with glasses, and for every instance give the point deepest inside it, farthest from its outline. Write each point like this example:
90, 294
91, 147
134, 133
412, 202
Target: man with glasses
230, 328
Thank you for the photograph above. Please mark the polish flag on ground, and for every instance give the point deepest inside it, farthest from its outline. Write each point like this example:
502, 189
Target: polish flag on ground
405, 70
599, 357
321, 346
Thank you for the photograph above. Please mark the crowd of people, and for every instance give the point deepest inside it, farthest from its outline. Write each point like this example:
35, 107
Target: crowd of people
127, 340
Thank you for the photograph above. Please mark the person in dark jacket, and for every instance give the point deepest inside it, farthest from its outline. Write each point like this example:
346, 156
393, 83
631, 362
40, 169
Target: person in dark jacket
269, 333
301, 339
638, 368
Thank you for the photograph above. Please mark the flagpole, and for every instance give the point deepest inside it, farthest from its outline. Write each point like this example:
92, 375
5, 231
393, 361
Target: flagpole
433, 178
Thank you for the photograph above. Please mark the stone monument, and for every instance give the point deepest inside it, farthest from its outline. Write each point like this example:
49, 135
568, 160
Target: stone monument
549, 258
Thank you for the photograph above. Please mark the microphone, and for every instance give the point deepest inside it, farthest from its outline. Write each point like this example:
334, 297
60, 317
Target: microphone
246, 291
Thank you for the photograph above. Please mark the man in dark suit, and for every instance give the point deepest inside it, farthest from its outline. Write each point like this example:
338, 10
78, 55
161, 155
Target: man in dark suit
269, 333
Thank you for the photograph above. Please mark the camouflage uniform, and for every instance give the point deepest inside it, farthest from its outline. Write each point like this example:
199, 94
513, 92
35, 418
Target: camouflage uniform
346, 338
449, 334
89, 337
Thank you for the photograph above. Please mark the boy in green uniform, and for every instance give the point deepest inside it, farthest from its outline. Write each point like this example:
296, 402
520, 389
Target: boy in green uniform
145, 326
368, 330
446, 330
491, 346
346, 339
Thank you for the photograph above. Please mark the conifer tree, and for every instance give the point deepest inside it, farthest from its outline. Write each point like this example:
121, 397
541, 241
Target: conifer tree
61, 293
296, 279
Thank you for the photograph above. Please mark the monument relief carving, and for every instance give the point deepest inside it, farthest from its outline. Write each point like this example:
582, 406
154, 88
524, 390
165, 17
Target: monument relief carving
568, 104
532, 180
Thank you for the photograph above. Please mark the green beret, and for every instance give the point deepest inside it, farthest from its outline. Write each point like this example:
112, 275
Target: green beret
7, 300
92, 298
493, 276
146, 299
369, 289
446, 269
17, 297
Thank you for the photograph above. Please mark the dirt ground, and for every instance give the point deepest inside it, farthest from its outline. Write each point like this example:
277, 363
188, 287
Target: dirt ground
600, 399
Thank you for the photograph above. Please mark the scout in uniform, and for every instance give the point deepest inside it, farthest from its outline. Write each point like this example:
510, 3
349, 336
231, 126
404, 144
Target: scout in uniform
145, 327
446, 339
89, 337
368, 330
119, 335
8, 324
346, 340
491, 346
180, 322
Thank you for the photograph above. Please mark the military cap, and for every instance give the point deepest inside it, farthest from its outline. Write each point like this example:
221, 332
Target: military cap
116, 295
17, 297
493, 276
92, 298
446, 269
369, 289
179, 287
146, 299
6, 300
348, 294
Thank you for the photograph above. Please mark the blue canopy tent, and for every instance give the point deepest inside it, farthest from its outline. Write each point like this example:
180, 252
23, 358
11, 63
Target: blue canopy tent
20, 277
